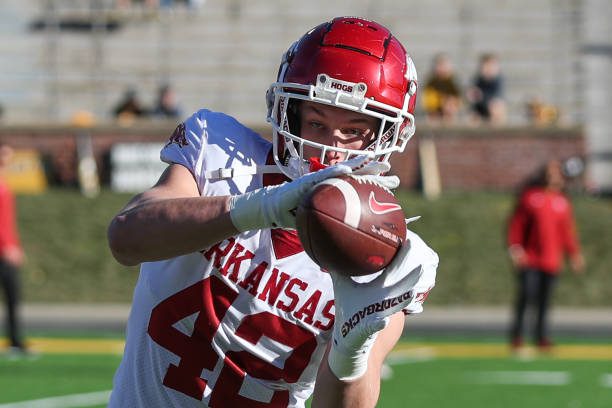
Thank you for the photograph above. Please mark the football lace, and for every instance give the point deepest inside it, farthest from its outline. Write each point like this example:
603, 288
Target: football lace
368, 179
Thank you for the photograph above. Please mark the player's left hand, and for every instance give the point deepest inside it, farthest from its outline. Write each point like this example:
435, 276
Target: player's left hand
364, 309
373, 171
274, 206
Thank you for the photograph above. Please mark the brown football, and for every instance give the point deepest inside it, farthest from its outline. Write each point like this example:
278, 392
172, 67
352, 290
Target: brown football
350, 225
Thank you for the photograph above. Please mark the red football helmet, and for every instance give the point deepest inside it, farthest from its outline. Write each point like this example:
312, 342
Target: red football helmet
351, 63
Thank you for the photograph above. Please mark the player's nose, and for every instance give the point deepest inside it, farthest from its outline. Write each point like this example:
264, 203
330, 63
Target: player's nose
335, 140
333, 156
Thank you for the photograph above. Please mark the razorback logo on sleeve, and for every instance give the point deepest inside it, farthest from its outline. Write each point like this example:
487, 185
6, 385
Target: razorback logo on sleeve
178, 136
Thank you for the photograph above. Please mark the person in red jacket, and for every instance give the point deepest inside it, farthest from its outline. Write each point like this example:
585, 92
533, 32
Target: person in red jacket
541, 232
11, 256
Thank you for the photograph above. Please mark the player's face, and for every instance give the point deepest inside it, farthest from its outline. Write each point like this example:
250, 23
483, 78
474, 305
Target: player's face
335, 127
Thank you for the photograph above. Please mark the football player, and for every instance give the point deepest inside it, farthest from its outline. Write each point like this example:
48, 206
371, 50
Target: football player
229, 311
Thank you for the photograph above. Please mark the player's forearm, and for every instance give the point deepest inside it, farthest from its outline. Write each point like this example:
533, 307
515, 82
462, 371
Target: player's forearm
360, 393
364, 391
153, 230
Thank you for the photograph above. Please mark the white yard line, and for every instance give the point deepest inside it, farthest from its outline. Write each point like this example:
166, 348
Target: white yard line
553, 378
64, 401
413, 355
606, 380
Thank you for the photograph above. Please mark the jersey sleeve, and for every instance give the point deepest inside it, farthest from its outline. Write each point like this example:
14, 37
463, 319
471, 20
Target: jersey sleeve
186, 144
518, 222
429, 264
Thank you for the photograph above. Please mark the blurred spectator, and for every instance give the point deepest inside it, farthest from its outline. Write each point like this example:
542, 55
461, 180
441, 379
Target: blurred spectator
541, 231
486, 93
166, 105
442, 94
11, 257
129, 107
540, 113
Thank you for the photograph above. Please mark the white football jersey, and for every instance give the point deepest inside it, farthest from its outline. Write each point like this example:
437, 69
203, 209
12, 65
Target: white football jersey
243, 323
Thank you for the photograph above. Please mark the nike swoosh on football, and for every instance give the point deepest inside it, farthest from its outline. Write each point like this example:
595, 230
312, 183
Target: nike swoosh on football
381, 208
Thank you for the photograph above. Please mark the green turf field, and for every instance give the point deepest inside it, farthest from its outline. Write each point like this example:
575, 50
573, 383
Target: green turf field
77, 372
57, 375
499, 383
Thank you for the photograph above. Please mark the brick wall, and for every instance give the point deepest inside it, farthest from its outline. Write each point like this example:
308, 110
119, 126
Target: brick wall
468, 158
499, 159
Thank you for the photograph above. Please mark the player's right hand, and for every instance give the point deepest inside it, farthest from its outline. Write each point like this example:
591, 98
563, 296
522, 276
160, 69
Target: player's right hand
274, 206
364, 309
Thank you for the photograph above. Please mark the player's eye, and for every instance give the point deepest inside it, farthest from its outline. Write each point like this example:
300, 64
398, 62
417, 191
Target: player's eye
316, 125
359, 132
353, 131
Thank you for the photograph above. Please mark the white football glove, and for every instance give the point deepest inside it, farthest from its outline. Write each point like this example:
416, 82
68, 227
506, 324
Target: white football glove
274, 206
364, 309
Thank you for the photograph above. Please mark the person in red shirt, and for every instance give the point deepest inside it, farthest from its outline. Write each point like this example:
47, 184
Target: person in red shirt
11, 256
541, 231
